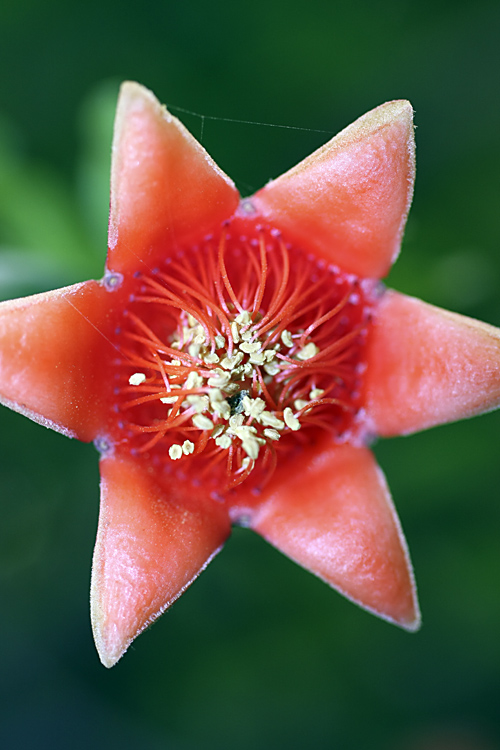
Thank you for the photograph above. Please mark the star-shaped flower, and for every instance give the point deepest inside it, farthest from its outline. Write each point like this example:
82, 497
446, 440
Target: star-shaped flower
237, 358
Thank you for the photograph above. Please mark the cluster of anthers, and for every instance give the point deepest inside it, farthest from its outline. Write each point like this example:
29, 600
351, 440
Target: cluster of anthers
231, 357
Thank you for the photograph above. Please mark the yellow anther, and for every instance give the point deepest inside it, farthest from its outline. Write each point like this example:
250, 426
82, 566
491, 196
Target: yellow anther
286, 338
243, 318
219, 378
215, 394
235, 332
272, 368
250, 347
220, 341
257, 358
229, 363
137, 378
291, 421
268, 419
175, 452
271, 434
211, 359
200, 403
247, 370
300, 404
193, 380
218, 430
170, 399
310, 350
224, 441
253, 407
236, 421
222, 408
187, 447
251, 447
316, 393
202, 422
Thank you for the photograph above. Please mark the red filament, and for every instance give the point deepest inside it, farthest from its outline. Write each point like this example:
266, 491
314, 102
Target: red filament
237, 351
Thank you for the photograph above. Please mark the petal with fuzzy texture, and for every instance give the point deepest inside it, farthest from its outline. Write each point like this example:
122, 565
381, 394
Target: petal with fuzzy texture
428, 366
165, 188
49, 344
349, 200
336, 519
150, 546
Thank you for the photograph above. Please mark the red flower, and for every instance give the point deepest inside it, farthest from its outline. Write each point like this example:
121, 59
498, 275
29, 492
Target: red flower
235, 360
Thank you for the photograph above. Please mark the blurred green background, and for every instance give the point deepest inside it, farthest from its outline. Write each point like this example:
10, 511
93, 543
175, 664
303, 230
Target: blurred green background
257, 653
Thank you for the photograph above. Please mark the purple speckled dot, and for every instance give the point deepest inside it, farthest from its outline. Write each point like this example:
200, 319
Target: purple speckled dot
112, 281
103, 446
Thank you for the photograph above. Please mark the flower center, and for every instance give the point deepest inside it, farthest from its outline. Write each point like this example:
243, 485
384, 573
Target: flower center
236, 352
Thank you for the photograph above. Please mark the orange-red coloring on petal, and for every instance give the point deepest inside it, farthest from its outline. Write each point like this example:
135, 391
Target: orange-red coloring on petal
235, 361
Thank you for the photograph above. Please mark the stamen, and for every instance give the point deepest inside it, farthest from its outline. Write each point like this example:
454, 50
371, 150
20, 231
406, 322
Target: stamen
308, 352
175, 452
241, 350
187, 447
290, 420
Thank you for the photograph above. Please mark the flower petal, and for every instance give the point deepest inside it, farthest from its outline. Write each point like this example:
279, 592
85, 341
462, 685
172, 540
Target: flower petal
337, 519
427, 366
164, 185
49, 344
150, 546
349, 200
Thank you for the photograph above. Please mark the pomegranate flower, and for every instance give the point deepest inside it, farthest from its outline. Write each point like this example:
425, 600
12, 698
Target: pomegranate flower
237, 358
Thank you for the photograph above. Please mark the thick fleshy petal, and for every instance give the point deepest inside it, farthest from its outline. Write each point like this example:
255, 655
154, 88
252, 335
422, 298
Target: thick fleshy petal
150, 546
427, 366
165, 188
50, 347
349, 200
336, 518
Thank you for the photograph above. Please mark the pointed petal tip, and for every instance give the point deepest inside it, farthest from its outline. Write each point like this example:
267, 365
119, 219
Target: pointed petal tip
403, 611
411, 620
165, 187
109, 643
337, 520
151, 545
133, 88
133, 95
52, 379
109, 652
448, 369
349, 200
396, 112
397, 109
130, 90
414, 625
